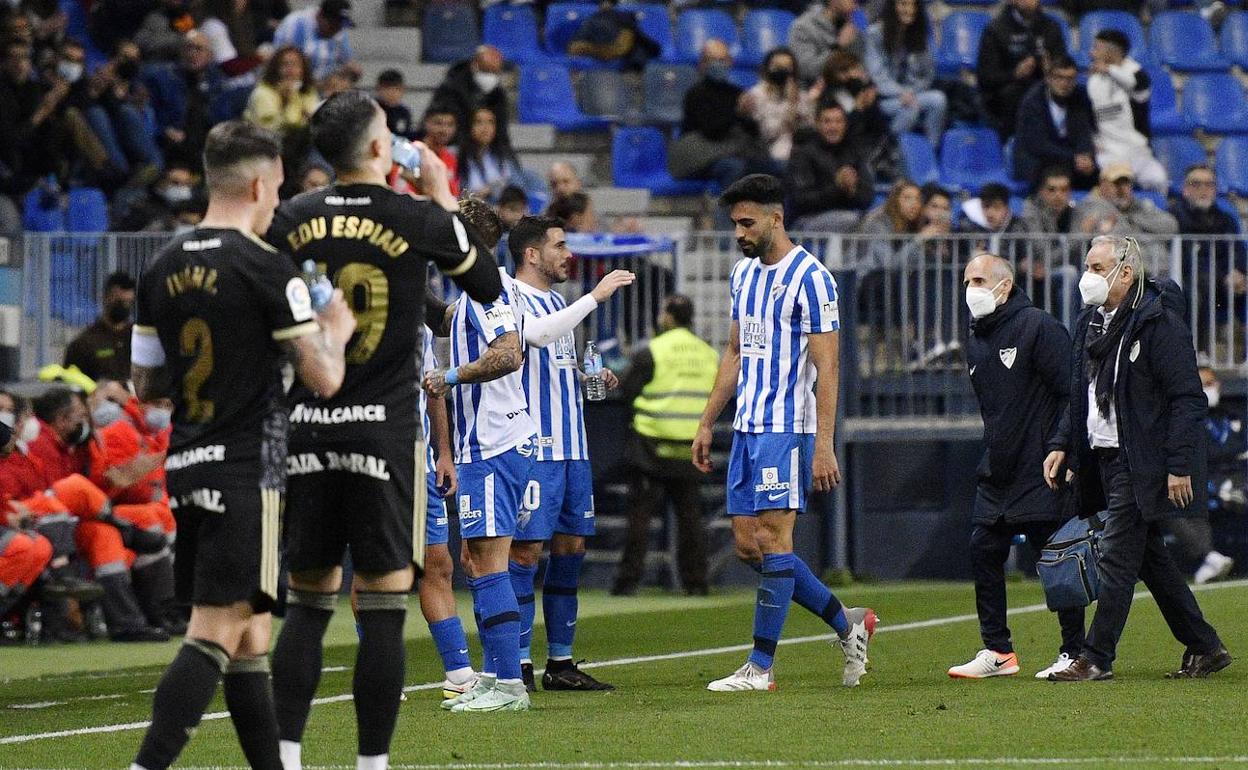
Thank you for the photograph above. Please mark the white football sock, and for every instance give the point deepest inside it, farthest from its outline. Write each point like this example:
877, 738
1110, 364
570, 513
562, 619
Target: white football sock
292, 755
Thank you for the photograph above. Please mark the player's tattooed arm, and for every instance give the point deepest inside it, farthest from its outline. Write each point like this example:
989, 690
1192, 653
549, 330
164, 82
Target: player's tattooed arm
501, 358
319, 358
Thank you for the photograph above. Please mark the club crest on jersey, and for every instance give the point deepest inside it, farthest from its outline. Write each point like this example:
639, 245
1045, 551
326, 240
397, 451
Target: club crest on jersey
778, 289
1007, 356
1135, 351
525, 448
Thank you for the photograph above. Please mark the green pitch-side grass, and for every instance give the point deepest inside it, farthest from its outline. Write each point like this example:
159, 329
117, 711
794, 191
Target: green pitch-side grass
905, 709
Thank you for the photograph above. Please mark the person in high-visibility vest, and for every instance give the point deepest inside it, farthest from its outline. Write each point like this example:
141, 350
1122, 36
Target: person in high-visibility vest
668, 384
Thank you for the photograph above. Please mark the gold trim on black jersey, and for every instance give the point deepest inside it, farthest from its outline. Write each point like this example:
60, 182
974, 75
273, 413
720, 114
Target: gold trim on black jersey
464, 266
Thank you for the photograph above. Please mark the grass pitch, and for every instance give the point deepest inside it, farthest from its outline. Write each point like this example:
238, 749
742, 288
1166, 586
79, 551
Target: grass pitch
907, 713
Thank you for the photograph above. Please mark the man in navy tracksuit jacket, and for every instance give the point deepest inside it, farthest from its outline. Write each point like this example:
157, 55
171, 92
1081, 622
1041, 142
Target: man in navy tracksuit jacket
1018, 357
1134, 438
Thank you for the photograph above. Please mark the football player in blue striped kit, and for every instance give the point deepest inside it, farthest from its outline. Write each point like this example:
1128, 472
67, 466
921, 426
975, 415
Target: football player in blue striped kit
781, 366
559, 500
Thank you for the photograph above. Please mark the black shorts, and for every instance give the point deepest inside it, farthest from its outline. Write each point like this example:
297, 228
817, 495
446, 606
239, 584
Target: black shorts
228, 535
358, 495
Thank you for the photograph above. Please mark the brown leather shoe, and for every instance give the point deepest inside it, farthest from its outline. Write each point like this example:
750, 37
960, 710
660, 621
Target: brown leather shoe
1082, 670
1200, 666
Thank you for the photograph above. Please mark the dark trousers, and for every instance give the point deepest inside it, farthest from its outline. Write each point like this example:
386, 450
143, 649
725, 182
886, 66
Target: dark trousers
990, 547
1131, 549
656, 481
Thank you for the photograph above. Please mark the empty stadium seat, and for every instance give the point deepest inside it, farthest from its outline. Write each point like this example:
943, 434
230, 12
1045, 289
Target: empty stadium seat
1095, 21
695, 27
42, 212
1163, 109
665, 86
762, 31
512, 29
959, 40
920, 158
449, 32
970, 158
604, 94
1064, 26
654, 23
86, 211
639, 159
1234, 38
742, 77
547, 96
1184, 42
1232, 164
1215, 102
562, 22
1178, 154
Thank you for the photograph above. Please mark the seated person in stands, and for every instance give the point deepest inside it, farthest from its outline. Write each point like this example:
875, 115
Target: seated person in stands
1055, 127
1050, 209
827, 27
487, 162
474, 82
438, 134
152, 210
845, 80
562, 179
577, 212
1012, 55
389, 94
893, 224
188, 98
1119, 90
899, 59
828, 179
315, 175
1113, 207
778, 106
513, 205
990, 212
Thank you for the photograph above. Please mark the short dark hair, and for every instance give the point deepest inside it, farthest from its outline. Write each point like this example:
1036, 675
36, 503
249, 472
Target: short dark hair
340, 126
389, 78
440, 107
934, 190
233, 143
119, 280
680, 308
994, 192
1199, 167
763, 189
1062, 61
569, 205
1054, 172
529, 231
478, 215
1115, 37
512, 194
52, 402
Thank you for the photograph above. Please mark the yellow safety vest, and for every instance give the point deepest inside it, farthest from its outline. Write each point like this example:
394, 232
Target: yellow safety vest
671, 404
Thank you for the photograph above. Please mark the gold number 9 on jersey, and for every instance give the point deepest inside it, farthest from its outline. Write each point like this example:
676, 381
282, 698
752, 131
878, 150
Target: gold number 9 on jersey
196, 340
367, 292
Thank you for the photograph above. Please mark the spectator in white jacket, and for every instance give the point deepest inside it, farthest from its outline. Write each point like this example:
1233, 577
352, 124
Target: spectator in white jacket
1119, 90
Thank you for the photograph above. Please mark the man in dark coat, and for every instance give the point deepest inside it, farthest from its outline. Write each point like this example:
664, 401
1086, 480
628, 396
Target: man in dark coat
1135, 439
1012, 56
472, 83
1019, 362
1056, 126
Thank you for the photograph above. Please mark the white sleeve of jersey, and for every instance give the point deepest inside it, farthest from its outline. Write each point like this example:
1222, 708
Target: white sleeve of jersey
542, 331
145, 348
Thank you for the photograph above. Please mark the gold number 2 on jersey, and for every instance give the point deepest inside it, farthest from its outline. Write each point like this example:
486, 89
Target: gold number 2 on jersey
196, 340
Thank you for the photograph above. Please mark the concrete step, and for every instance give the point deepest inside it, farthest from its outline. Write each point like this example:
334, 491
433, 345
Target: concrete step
416, 75
417, 102
675, 227
539, 162
386, 43
532, 136
365, 13
610, 201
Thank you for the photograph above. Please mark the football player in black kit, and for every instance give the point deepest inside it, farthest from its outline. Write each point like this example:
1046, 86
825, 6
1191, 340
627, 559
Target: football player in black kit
218, 310
354, 457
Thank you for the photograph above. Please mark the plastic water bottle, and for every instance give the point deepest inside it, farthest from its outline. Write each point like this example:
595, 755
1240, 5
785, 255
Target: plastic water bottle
405, 154
319, 287
595, 385
1018, 539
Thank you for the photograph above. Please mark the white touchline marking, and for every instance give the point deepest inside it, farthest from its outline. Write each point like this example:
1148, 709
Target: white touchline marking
49, 703
708, 651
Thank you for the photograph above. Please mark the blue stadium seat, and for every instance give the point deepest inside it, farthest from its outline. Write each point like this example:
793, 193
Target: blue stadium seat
87, 211
639, 159
695, 27
1064, 26
76, 28
665, 86
449, 32
920, 158
604, 94
1184, 42
742, 77
1226, 205
42, 213
959, 40
1232, 164
1095, 21
762, 31
512, 29
562, 22
970, 158
1215, 102
1178, 154
547, 96
1163, 106
1235, 38
654, 23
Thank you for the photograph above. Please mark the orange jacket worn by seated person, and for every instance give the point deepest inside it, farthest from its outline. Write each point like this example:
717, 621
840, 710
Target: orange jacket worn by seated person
121, 443
23, 557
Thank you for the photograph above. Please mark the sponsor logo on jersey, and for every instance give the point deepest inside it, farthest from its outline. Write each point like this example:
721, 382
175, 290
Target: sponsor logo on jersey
208, 499
204, 245
339, 200
772, 482
466, 513
499, 314
354, 462
341, 415
299, 299
303, 464
202, 454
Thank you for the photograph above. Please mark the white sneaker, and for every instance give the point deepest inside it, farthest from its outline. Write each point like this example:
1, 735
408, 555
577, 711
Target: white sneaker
862, 622
502, 697
986, 663
1215, 567
484, 683
450, 690
1061, 664
748, 677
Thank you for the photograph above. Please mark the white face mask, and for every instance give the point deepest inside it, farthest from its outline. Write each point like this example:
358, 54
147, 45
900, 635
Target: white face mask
157, 418
982, 301
1214, 395
8, 418
487, 81
177, 193
106, 413
30, 430
69, 70
1095, 288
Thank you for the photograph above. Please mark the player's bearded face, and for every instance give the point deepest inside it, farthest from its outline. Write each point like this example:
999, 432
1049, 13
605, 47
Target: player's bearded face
556, 260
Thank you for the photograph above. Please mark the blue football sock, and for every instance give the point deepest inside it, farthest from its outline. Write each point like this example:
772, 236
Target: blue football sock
500, 624
487, 663
448, 637
559, 603
522, 584
775, 591
810, 592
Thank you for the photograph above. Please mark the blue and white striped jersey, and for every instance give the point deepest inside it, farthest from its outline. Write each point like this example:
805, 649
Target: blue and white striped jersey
552, 387
490, 417
430, 363
324, 54
776, 306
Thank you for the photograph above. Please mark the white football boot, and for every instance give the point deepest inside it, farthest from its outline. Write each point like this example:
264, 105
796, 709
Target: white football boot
986, 663
862, 622
748, 677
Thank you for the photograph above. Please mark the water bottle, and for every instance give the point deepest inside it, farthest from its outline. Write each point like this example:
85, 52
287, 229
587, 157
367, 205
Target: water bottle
405, 154
319, 287
1018, 539
34, 624
595, 385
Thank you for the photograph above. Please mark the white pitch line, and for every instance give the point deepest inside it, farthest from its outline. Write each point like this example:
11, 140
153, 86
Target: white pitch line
347, 697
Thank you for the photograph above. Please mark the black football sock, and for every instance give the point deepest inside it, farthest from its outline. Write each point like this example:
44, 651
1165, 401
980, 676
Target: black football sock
379, 666
181, 698
249, 698
297, 659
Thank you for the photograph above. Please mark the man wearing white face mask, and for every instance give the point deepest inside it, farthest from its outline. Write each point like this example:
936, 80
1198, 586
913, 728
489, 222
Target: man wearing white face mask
1018, 357
476, 82
1134, 440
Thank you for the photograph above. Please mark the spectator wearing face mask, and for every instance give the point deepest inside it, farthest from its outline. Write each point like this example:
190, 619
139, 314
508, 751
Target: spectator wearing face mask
846, 82
473, 82
835, 25
156, 209
778, 105
163, 29
102, 350
118, 117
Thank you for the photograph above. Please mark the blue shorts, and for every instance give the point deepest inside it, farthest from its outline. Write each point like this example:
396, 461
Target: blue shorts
435, 517
769, 472
491, 493
560, 498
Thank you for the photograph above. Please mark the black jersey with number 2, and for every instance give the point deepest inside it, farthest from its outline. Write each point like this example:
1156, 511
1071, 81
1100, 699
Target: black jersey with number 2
221, 301
376, 246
